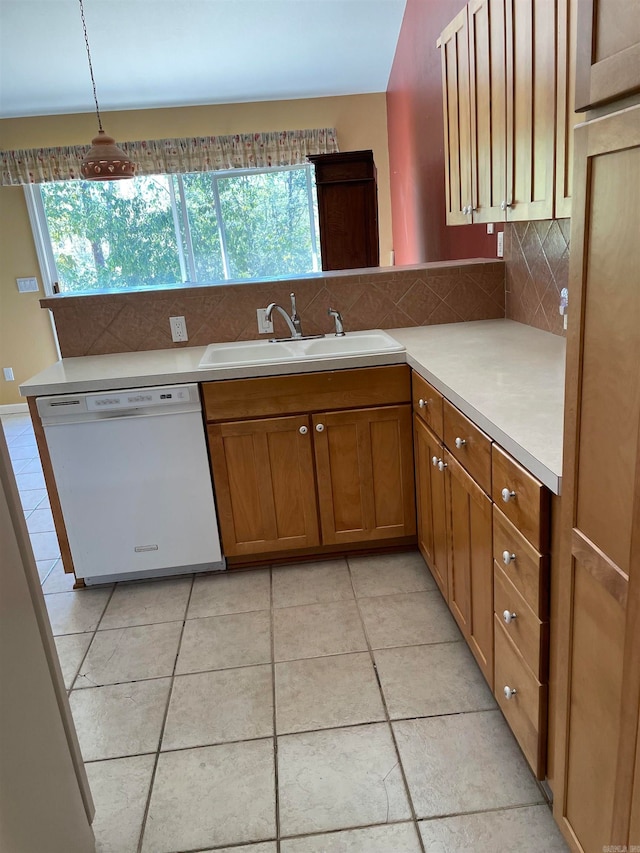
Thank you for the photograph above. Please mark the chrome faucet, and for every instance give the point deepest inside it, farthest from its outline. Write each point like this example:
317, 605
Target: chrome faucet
337, 316
293, 321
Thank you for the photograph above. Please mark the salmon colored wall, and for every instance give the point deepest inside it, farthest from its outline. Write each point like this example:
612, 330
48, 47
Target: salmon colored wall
26, 340
416, 144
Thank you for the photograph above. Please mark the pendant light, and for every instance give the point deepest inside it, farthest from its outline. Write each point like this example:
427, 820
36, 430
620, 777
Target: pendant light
104, 161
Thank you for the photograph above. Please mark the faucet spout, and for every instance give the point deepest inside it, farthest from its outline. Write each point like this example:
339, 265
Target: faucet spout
293, 321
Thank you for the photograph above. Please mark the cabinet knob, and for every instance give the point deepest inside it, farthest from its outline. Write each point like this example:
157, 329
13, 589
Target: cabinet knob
508, 557
319, 427
303, 430
504, 205
508, 495
509, 692
466, 210
508, 616
460, 442
442, 465
422, 403
434, 461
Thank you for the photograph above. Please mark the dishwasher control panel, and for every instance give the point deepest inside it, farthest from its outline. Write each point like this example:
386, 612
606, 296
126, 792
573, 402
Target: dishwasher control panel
139, 398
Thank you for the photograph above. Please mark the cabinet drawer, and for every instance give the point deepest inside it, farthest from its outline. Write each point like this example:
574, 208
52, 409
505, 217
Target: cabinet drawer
232, 399
526, 631
470, 446
526, 568
522, 498
427, 404
526, 710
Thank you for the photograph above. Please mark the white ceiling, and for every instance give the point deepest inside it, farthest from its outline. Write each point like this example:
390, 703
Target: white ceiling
161, 53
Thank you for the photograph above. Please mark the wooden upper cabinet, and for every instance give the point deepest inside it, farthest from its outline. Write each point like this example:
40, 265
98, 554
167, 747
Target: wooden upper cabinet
454, 57
364, 463
265, 485
566, 116
488, 92
531, 105
347, 209
608, 56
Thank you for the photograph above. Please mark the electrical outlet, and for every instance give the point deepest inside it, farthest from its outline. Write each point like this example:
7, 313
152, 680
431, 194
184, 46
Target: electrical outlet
500, 251
178, 329
8, 374
265, 327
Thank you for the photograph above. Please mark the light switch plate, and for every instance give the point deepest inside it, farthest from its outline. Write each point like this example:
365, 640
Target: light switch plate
28, 285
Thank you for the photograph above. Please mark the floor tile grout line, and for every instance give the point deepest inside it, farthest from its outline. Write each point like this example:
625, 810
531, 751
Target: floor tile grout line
93, 633
388, 719
145, 816
275, 721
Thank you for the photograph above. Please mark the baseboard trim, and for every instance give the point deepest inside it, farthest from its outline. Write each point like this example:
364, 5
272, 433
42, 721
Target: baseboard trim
14, 409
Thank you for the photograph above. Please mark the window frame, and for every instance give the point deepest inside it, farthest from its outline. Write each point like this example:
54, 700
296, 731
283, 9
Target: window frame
186, 257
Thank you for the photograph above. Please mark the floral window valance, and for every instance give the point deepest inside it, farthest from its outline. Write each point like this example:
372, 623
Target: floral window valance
172, 156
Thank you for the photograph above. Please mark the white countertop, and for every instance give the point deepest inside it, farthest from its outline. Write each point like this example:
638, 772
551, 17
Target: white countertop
506, 376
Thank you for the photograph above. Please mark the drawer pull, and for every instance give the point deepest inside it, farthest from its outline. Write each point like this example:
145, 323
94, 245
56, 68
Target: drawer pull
508, 495
319, 427
508, 557
422, 403
460, 442
509, 692
442, 465
508, 616
303, 430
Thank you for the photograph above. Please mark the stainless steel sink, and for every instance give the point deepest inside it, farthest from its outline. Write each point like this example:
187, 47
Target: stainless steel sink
241, 353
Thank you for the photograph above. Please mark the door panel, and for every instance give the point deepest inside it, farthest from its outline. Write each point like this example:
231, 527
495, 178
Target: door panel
364, 462
264, 482
431, 509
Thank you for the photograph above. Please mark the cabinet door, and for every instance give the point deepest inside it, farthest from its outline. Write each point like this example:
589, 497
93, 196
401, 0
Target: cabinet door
430, 498
566, 117
454, 57
608, 60
364, 462
471, 563
599, 606
531, 105
264, 484
488, 109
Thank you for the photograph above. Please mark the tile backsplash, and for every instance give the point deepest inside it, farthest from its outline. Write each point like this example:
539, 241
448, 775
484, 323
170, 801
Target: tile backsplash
421, 295
536, 258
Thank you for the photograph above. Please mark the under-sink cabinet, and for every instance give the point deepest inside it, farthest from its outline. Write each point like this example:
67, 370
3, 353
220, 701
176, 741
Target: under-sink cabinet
312, 462
483, 529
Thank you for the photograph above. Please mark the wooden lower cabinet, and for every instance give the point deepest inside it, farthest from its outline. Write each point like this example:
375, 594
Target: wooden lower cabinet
265, 484
365, 474
431, 504
471, 562
299, 482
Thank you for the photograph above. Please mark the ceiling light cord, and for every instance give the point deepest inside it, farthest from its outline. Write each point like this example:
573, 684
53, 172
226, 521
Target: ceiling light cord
93, 82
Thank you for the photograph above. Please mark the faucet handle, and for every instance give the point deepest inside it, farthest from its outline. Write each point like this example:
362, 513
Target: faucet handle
293, 304
337, 316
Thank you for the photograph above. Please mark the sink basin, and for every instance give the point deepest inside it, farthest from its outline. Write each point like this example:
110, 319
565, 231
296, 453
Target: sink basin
241, 353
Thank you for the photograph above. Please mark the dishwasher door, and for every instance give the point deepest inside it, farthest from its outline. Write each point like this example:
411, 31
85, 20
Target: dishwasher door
134, 486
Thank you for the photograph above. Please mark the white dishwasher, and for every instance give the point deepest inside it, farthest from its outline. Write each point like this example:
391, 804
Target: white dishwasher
133, 477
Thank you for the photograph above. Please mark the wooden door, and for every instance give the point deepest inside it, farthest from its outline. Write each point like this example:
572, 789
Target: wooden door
599, 606
264, 483
454, 58
531, 105
364, 463
566, 116
471, 563
430, 503
608, 51
488, 109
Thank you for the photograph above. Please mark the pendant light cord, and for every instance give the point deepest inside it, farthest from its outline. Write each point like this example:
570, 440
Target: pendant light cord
93, 82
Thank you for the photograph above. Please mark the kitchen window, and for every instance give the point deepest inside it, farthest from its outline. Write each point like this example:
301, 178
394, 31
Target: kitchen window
161, 230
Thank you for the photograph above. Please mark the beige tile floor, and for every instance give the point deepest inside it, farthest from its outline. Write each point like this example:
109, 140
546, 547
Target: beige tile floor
322, 708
